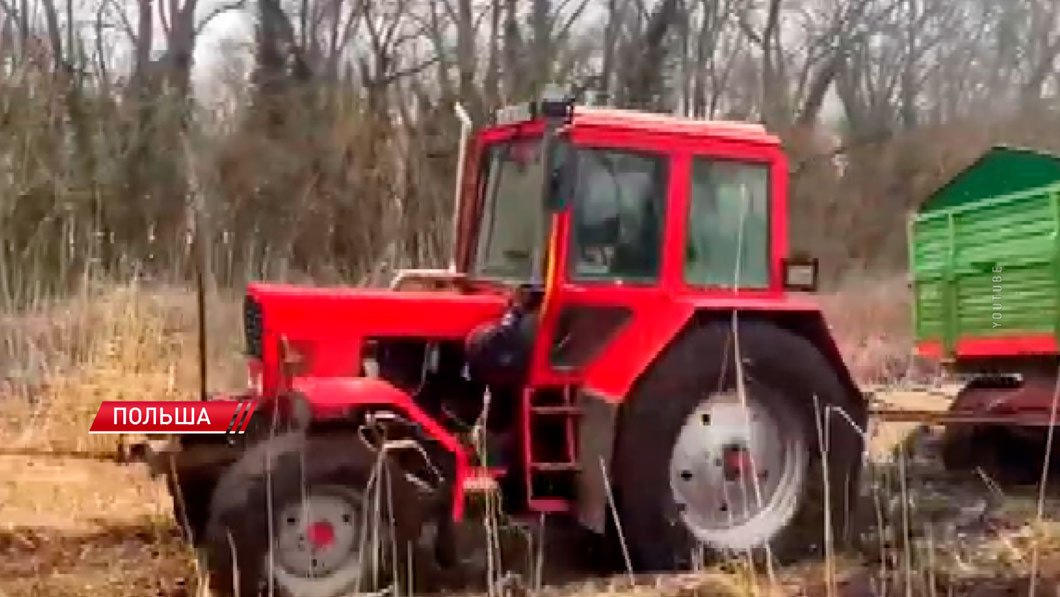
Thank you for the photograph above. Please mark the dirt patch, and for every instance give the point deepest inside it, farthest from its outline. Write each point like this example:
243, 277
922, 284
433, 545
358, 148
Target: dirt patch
74, 495
85, 528
137, 559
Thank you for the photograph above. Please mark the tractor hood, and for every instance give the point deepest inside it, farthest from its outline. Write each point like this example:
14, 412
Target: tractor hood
327, 328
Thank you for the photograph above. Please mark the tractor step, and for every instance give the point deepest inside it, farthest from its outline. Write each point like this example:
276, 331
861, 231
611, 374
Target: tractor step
549, 435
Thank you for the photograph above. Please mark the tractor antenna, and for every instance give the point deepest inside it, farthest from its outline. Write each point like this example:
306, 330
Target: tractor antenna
465, 129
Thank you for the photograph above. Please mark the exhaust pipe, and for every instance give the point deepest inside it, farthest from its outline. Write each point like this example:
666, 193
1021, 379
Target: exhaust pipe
465, 129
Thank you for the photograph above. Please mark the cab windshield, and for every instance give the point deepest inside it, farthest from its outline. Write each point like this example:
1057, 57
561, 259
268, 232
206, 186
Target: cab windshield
513, 236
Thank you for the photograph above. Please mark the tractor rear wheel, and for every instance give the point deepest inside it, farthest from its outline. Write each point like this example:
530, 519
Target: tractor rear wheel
326, 528
699, 464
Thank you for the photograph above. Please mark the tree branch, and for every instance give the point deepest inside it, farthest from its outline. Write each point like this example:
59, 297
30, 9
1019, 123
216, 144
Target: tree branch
409, 71
164, 20
218, 11
562, 32
124, 18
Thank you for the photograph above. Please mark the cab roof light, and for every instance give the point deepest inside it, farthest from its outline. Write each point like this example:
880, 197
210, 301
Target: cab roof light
551, 105
514, 113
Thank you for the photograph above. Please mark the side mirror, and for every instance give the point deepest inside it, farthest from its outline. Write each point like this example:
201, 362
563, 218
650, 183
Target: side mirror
800, 273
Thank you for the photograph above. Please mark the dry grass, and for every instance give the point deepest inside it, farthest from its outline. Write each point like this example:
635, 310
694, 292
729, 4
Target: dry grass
871, 320
115, 343
79, 527
83, 527
76, 527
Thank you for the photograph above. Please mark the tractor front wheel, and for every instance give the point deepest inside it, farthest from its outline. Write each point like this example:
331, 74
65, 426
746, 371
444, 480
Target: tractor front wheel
705, 461
310, 516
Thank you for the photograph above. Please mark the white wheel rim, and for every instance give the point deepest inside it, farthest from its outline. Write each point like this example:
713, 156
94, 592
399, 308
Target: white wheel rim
736, 473
317, 543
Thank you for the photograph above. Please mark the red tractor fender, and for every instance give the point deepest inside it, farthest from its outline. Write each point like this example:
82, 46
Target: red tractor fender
335, 397
612, 376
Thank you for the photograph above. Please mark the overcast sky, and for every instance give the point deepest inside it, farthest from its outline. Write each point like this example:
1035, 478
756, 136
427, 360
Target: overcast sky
211, 51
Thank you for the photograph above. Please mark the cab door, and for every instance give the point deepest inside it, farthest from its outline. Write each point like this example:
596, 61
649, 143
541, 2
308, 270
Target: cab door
606, 259
606, 268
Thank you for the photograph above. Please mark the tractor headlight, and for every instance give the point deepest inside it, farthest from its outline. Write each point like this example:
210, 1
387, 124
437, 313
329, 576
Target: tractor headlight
800, 273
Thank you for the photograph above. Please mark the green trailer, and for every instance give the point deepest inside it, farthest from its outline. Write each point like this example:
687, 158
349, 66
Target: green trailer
984, 260
983, 254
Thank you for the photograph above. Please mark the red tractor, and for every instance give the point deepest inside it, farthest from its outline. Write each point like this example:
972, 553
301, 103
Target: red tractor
614, 343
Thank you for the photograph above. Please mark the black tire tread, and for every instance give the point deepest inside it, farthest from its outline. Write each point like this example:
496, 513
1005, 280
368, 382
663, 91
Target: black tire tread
693, 365
238, 509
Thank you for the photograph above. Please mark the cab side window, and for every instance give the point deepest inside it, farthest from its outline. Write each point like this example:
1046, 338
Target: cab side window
728, 225
618, 212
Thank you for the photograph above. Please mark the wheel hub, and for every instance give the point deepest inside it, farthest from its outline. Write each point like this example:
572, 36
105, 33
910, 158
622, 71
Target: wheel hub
321, 534
318, 535
736, 473
736, 462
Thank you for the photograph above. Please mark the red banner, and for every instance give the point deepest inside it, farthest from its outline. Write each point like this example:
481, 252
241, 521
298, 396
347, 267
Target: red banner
222, 416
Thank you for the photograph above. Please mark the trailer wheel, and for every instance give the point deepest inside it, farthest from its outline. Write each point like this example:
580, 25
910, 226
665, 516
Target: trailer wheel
1009, 455
329, 535
694, 467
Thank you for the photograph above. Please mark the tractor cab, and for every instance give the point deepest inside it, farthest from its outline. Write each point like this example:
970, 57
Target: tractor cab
570, 195
557, 193
598, 216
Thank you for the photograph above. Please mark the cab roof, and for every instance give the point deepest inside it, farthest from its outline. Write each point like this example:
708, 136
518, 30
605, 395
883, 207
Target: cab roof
663, 123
